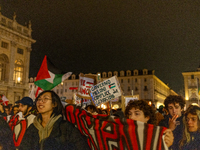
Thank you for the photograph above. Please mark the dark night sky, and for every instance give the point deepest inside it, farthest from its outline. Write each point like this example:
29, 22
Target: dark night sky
107, 35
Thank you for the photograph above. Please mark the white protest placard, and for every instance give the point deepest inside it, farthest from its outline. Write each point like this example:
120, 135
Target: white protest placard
85, 82
126, 99
78, 100
105, 91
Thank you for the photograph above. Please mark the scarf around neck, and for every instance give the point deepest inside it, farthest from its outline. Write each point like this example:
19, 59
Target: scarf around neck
44, 132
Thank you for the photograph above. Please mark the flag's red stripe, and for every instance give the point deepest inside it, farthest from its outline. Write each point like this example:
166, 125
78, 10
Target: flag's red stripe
89, 83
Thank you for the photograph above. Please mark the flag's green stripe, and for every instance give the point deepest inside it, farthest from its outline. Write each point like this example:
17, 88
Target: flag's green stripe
45, 85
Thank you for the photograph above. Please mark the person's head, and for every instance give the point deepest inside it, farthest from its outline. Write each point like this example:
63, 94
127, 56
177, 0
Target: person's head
7, 110
192, 117
25, 105
174, 104
191, 123
91, 109
48, 102
140, 110
15, 109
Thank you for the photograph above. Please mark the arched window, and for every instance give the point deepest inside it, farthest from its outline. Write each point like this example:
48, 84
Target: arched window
18, 71
121, 73
109, 74
3, 64
115, 73
135, 72
104, 74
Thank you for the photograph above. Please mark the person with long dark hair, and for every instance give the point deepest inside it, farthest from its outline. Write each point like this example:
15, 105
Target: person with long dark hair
49, 130
191, 134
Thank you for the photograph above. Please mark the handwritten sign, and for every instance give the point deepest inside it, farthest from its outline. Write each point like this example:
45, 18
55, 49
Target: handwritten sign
105, 91
85, 82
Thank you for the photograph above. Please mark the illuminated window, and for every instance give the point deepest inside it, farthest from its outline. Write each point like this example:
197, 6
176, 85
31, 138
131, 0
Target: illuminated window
3, 63
18, 71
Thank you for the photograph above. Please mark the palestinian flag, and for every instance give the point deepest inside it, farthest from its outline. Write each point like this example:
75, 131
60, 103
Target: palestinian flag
4, 100
49, 76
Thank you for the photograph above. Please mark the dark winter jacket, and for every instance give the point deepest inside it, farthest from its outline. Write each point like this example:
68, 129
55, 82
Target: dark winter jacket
6, 141
178, 131
194, 142
63, 136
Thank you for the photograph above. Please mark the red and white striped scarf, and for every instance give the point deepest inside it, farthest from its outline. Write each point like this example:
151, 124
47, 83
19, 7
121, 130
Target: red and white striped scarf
106, 133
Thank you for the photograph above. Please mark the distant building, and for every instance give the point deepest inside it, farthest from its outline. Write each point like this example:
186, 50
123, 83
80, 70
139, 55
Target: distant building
192, 86
15, 48
137, 82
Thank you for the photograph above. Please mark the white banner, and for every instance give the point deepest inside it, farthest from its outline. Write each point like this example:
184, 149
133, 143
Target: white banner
85, 82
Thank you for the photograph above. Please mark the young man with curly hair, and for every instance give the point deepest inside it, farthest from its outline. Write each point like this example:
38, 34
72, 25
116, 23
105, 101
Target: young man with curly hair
174, 120
140, 110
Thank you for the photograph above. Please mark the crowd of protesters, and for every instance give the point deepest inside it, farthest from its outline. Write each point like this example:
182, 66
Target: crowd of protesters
41, 124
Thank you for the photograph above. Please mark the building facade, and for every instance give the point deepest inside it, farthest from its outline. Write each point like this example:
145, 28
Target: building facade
192, 86
136, 82
15, 48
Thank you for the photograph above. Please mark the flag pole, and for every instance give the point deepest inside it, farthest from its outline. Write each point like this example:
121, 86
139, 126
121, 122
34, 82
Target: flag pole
111, 113
81, 102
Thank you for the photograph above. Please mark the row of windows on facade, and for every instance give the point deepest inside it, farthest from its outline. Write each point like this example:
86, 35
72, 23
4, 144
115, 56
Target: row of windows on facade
10, 25
6, 46
122, 73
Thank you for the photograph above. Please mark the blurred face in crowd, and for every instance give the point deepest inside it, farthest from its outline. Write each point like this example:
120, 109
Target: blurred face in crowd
192, 122
174, 109
137, 114
15, 110
7, 111
24, 109
44, 104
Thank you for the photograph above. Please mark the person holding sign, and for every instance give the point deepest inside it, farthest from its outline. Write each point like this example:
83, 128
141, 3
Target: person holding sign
49, 130
139, 110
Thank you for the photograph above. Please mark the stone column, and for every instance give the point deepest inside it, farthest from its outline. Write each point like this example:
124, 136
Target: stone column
27, 65
12, 62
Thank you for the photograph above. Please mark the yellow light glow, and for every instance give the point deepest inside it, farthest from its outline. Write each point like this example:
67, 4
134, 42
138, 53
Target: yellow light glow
18, 79
195, 104
61, 83
115, 106
103, 106
186, 98
158, 104
150, 103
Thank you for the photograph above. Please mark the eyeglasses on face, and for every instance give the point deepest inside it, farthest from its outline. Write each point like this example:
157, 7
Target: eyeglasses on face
44, 100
